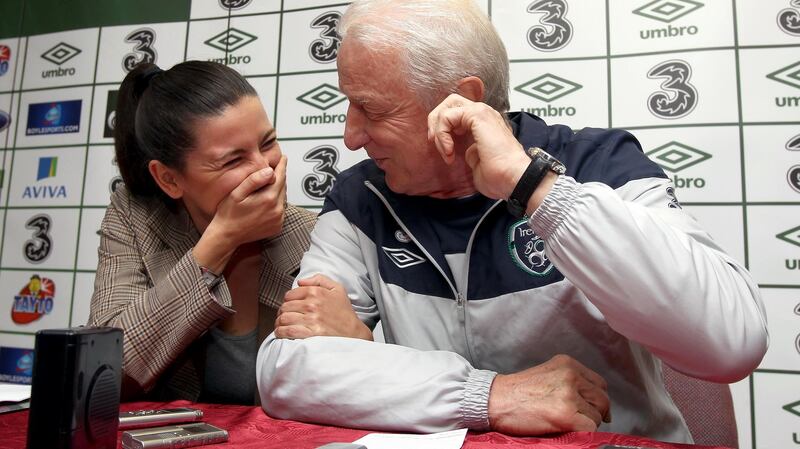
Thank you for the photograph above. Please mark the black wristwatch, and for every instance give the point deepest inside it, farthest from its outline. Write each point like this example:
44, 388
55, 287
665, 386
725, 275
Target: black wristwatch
541, 163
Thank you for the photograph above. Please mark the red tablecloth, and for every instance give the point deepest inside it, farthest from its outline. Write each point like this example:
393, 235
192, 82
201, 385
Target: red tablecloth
250, 427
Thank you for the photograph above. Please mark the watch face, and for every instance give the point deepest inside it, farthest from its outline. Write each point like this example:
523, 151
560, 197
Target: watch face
555, 164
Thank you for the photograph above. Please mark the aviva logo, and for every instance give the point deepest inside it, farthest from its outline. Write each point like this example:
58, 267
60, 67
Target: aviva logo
47, 168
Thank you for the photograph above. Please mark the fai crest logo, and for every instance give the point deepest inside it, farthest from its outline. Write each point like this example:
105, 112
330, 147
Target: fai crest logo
320, 183
789, 19
38, 248
233, 4
554, 31
325, 49
143, 50
34, 300
678, 96
527, 249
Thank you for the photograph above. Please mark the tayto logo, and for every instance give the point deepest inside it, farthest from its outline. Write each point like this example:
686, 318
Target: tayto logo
793, 176
228, 41
319, 183
5, 120
789, 19
54, 118
554, 31
322, 97
16, 365
143, 50
527, 249
233, 4
325, 49
34, 300
111, 113
38, 247
678, 97
548, 88
5, 59
675, 157
667, 10
47, 169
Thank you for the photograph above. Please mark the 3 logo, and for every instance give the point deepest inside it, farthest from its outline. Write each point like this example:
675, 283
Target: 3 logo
554, 31
678, 96
35, 300
325, 49
38, 248
143, 50
111, 113
789, 19
319, 183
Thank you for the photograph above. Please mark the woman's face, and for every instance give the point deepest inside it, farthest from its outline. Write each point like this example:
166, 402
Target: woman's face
227, 149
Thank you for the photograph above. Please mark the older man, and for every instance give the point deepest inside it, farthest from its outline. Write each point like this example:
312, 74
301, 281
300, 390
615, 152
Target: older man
524, 292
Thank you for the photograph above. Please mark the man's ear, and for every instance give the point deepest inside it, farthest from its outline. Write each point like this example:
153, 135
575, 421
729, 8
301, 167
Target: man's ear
166, 178
471, 88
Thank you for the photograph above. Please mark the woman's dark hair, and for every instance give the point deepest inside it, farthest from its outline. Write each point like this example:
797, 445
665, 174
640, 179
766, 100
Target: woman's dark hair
157, 110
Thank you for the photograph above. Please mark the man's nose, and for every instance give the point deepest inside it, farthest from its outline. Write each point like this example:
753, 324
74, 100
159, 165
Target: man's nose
355, 136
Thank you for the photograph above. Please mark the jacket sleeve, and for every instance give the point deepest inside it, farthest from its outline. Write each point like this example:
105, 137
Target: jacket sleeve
159, 317
656, 276
357, 383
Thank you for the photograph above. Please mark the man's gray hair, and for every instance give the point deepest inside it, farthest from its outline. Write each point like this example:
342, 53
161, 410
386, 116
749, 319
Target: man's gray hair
440, 42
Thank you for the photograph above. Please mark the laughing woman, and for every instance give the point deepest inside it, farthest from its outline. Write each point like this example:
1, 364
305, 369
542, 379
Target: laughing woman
198, 247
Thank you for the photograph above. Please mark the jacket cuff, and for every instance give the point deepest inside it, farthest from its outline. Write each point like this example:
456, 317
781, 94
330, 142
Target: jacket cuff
556, 205
475, 403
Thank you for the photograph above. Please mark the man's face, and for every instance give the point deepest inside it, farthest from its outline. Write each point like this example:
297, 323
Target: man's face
389, 122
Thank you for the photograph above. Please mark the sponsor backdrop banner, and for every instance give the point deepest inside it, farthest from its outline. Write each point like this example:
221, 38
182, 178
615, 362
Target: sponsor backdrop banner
710, 88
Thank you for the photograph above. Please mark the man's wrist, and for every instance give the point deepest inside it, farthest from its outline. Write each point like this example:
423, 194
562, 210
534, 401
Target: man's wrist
544, 187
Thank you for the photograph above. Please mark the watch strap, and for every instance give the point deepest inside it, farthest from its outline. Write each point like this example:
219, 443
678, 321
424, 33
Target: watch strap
517, 203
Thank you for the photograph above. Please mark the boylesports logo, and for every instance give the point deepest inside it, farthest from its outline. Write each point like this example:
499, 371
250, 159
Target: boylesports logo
143, 50
59, 117
527, 249
678, 96
34, 300
789, 19
554, 31
318, 184
39, 246
325, 49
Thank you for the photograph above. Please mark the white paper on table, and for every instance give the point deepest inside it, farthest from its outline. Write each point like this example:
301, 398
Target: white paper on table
452, 439
14, 392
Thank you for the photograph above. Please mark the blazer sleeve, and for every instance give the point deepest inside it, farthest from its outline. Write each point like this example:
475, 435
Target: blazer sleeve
160, 313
